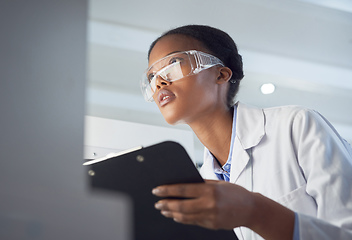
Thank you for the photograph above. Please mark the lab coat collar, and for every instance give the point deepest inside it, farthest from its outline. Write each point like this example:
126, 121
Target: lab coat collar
249, 125
249, 132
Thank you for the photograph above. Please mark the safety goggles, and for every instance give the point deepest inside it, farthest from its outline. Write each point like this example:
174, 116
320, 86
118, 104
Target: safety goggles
174, 67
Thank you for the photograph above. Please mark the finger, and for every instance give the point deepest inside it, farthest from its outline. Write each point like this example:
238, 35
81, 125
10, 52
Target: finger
212, 181
181, 218
190, 206
190, 190
191, 219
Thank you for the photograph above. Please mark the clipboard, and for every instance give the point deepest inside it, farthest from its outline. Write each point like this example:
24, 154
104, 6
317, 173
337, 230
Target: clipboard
136, 173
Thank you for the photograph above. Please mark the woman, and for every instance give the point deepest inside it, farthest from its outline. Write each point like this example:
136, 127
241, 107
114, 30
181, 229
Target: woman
278, 173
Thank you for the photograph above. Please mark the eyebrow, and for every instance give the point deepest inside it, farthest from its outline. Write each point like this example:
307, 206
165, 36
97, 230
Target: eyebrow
172, 53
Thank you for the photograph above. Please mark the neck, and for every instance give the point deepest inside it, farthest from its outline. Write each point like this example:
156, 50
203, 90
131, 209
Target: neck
214, 131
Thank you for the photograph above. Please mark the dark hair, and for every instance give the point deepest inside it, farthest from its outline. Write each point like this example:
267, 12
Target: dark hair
221, 45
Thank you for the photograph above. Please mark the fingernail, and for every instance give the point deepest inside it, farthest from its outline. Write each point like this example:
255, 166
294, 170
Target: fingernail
156, 191
158, 205
166, 213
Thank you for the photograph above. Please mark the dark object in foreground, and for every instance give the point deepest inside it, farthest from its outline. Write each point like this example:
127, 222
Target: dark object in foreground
136, 173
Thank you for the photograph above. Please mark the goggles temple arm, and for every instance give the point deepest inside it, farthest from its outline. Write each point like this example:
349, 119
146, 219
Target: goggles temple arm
198, 61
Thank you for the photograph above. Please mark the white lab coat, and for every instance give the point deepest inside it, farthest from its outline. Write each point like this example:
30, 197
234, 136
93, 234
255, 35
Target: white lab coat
295, 157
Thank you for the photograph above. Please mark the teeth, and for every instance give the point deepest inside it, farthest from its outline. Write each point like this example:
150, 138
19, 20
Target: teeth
165, 97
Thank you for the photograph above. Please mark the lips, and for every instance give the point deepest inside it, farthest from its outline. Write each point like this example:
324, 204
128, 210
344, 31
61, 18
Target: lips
165, 96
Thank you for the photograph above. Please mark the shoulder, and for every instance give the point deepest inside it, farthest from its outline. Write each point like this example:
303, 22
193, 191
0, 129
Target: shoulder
281, 112
289, 111
301, 122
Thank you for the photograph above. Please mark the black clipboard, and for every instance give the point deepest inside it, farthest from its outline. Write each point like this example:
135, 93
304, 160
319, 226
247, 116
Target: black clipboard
136, 173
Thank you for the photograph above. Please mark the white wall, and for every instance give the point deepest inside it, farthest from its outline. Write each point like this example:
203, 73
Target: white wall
103, 136
43, 192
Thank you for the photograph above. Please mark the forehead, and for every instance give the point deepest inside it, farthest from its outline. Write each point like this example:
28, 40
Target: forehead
174, 43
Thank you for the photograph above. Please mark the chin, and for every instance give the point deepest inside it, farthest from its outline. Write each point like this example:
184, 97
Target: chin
172, 119
173, 114
178, 122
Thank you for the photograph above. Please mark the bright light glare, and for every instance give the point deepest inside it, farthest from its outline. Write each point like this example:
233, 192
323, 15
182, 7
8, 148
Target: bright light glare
267, 88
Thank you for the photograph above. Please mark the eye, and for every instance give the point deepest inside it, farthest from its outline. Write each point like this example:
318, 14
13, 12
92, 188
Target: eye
150, 76
175, 60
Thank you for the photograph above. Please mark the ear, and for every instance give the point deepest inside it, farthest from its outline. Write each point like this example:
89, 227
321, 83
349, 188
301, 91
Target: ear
224, 75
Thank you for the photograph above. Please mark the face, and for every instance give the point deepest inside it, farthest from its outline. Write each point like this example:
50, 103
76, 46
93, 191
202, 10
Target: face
192, 97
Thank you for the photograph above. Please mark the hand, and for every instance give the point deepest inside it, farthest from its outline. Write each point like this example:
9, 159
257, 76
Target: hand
213, 204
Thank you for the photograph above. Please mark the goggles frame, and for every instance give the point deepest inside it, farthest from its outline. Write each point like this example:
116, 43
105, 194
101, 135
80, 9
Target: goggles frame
198, 61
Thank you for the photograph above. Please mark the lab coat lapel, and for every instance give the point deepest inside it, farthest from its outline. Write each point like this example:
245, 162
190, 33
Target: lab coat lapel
249, 132
207, 170
240, 158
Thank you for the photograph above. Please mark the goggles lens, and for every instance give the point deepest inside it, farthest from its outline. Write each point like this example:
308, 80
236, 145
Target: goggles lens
174, 67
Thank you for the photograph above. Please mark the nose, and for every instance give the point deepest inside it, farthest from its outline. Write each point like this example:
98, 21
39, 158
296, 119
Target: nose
160, 81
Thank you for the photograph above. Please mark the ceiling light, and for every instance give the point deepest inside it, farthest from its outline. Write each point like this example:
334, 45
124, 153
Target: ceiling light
267, 88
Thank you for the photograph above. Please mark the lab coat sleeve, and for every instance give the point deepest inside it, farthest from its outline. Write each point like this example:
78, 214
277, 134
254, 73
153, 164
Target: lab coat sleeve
326, 163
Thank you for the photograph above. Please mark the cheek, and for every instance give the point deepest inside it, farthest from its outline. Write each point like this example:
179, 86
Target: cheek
195, 97
191, 92
200, 92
